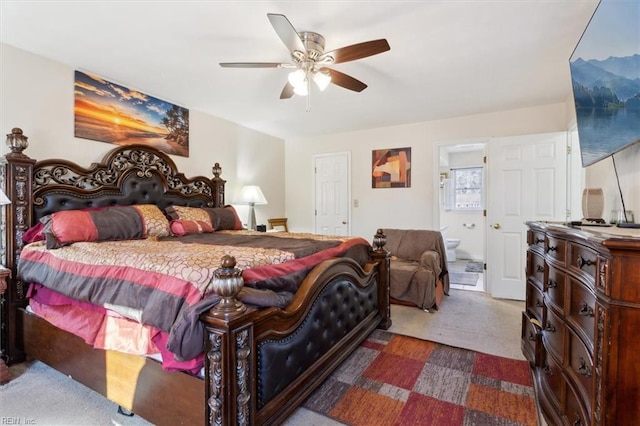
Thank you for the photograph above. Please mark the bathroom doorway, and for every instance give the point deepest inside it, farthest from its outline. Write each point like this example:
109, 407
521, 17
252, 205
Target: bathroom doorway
459, 212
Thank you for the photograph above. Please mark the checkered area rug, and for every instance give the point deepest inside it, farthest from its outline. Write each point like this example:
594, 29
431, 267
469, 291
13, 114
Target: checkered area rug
398, 380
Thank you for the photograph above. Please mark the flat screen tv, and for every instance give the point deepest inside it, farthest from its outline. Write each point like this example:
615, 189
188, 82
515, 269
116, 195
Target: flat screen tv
605, 73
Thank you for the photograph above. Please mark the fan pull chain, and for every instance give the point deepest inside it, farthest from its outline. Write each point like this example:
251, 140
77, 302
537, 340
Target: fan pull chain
308, 107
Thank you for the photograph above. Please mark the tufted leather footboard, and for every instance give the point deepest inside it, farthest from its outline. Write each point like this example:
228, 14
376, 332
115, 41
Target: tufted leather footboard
340, 307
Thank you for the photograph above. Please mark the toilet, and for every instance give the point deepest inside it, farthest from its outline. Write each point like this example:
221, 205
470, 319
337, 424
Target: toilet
450, 244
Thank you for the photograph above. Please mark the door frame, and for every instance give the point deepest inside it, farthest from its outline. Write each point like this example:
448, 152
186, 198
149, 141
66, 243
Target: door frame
436, 188
346, 154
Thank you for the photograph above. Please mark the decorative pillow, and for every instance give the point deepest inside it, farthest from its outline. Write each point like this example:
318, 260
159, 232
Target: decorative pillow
224, 218
220, 218
104, 224
188, 213
184, 227
155, 222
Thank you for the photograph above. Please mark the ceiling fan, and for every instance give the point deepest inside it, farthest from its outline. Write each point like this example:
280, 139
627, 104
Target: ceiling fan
310, 61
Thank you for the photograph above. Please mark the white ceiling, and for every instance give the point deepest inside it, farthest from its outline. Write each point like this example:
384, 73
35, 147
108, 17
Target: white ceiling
447, 58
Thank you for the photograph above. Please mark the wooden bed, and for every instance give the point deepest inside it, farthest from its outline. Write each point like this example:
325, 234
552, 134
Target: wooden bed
250, 377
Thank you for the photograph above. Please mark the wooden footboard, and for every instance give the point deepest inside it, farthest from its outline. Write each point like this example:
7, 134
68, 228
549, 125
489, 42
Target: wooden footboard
261, 364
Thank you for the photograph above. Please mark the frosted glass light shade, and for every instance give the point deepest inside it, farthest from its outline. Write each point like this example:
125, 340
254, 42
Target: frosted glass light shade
297, 78
322, 79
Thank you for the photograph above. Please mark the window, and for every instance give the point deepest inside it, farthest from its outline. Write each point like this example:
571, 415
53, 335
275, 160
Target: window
467, 188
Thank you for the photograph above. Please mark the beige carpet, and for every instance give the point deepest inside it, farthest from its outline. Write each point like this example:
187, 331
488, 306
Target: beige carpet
470, 320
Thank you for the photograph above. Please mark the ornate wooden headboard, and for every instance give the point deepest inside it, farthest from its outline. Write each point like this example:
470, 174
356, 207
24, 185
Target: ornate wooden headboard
127, 175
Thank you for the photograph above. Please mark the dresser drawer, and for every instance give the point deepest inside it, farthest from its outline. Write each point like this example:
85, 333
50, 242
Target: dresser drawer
535, 302
582, 308
552, 381
536, 238
531, 339
553, 331
556, 249
555, 288
583, 260
580, 368
574, 412
535, 268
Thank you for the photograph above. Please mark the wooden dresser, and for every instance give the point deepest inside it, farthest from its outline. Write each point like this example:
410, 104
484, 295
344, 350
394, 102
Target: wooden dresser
581, 324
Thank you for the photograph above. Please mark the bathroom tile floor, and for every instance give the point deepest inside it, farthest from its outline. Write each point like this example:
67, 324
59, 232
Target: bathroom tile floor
459, 267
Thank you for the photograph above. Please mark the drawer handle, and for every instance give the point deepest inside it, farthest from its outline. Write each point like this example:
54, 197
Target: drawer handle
539, 304
552, 248
532, 336
552, 284
578, 420
584, 262
547, 370
550, 327
585, 310
583, 369
539, 268
539, 240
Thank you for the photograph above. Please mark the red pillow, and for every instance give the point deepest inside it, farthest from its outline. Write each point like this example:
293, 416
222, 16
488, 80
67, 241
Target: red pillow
185, 227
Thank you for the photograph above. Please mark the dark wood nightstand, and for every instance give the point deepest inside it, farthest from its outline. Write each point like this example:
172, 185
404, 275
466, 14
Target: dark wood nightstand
4, 370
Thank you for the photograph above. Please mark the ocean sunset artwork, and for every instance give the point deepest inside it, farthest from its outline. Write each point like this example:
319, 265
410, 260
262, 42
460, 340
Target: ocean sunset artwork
108, 112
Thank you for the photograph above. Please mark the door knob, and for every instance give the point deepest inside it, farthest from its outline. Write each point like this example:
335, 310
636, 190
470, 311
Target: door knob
496, 226
344, 222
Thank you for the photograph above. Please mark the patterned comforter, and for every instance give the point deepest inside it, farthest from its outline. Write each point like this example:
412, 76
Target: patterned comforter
165, 282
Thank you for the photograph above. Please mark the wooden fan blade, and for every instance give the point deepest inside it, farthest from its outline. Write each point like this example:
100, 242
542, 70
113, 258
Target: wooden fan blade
357, 51
287, 91
344, 80
286, 32
250, 64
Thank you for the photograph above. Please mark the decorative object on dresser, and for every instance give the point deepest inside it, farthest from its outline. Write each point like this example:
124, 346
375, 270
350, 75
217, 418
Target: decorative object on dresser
593, 204
580, 324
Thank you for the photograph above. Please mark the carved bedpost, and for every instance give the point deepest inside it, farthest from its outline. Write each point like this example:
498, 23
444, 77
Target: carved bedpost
383, 257
229, 361
17, 171
218, 185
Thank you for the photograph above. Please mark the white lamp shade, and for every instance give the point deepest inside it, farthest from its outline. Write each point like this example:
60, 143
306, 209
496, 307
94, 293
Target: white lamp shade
322, 79
251, 194
4, 200
297, 78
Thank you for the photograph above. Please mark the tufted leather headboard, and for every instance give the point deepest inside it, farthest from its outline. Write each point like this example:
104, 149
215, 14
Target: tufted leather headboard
133, 174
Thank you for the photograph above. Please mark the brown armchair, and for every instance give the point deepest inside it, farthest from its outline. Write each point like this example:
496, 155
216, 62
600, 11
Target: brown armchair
419, 274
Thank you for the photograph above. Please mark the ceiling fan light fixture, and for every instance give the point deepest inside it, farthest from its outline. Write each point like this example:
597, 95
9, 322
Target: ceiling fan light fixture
301, 89
297, 78
322, 79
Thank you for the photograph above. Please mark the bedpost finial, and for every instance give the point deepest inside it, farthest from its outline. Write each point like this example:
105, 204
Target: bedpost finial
217, 170
17, 141
379, 240
227, 282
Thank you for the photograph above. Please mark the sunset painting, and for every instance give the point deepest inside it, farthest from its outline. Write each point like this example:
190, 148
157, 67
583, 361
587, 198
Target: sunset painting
107, 112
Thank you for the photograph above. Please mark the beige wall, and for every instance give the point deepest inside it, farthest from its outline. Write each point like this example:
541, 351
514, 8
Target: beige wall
37, 96
411, 207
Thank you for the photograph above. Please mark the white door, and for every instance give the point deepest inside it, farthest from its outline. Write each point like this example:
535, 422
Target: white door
332, 194
527, 181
